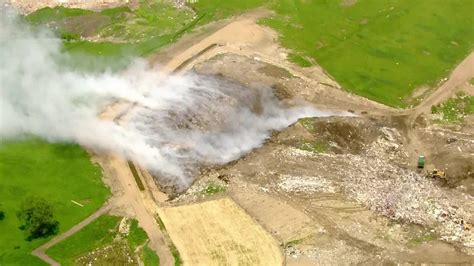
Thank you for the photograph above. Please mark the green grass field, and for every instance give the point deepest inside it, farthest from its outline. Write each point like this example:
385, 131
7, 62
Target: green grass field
382, 50
57, 172
134, 33
99, 234
220, 9
149, 257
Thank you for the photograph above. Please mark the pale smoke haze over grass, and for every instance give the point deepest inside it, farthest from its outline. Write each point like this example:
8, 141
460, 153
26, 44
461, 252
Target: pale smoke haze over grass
181, 122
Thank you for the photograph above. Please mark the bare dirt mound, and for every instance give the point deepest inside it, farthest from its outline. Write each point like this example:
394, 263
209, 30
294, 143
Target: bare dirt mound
364, 173
287, 84
332, 135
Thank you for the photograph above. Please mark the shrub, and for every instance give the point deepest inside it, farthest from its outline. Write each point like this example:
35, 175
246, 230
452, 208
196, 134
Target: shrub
37, 218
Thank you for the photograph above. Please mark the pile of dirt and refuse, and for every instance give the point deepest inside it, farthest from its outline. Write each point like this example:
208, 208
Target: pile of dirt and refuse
367, 162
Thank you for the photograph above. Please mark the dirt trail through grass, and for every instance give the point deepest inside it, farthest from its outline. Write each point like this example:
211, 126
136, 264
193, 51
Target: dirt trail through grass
460, 75
40, 252
243, 36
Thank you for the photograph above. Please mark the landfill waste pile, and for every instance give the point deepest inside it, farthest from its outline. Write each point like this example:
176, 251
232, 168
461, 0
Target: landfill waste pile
378, 178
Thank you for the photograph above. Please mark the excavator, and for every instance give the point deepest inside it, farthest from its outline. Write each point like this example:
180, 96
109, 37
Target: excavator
436, 173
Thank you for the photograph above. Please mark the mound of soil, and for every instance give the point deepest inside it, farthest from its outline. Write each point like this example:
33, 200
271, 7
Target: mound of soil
338, 135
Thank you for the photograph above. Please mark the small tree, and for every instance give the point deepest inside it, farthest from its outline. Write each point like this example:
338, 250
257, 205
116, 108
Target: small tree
37, 218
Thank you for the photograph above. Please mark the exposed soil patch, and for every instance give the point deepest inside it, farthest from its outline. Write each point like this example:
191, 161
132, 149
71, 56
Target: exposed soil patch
248, 71
332, 186
274, 71
86, 25
281, 92
341, 135
348, 182
451, 151
116, 254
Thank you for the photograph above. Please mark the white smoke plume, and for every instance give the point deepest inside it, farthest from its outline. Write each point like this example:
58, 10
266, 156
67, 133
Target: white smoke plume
179, 122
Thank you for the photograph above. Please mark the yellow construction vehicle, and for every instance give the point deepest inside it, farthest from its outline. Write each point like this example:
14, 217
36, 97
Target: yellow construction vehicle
436, 173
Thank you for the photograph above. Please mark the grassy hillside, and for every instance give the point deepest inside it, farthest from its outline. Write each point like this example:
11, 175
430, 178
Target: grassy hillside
112, 38
57, 172
382, 50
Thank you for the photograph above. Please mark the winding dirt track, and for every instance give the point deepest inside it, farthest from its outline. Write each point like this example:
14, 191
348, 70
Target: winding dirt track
460, 75
241, 36
40, 251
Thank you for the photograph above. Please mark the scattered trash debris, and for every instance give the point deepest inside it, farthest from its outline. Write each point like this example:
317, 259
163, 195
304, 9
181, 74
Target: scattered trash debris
289, 183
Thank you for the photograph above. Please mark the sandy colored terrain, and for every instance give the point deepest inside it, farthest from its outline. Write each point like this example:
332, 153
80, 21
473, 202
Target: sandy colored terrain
219, 232
343, 230
283, 220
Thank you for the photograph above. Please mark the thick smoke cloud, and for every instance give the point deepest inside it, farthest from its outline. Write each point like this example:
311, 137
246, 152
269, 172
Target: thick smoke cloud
177, 124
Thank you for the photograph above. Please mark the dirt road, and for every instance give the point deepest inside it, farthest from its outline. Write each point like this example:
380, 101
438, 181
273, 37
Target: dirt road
243, 36
128, 199
40, 252
460, 75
